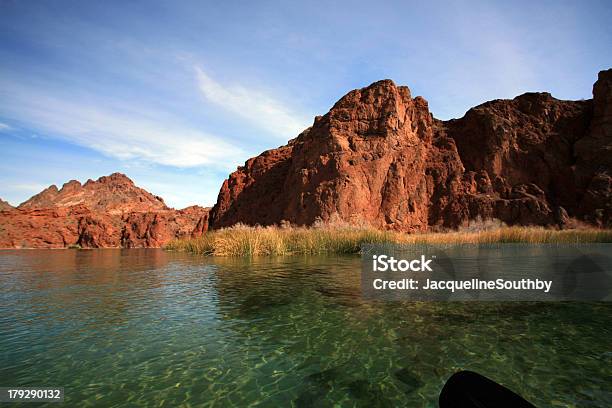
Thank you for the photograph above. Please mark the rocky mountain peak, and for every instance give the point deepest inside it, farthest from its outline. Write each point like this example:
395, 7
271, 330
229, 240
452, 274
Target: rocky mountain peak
72, 185
43, 199
373, 111
4, 206
369, 134
115, 193
115, 178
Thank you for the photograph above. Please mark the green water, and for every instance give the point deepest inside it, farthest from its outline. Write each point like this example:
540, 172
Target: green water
151, 328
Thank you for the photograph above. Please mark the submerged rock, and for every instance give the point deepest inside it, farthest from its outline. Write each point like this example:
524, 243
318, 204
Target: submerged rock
410, 380
369, 394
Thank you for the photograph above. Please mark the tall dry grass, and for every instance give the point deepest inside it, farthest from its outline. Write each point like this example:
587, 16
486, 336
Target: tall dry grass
242, 240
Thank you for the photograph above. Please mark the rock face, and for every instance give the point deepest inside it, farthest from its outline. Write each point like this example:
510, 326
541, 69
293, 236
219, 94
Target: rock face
594, 157
45, 228
378, 156
108, 212
152, 229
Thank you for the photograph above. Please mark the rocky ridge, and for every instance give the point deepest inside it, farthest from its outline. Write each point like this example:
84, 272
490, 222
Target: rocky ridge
380, 157
114, 194
109, 212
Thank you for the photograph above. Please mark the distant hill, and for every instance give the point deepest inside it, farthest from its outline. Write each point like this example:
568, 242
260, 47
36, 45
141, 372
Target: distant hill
109, 212
115, 194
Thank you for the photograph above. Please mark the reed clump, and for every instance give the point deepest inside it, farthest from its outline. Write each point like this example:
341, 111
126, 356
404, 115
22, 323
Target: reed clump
241, 240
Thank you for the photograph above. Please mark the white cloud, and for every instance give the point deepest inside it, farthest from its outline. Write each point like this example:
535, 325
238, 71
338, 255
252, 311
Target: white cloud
120, 131
4, 127
257, 107
30, 188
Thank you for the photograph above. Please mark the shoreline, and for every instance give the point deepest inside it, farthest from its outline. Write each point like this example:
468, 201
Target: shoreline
241, 241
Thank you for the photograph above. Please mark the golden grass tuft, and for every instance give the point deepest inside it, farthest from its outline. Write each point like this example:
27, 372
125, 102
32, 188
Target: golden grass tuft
243, 240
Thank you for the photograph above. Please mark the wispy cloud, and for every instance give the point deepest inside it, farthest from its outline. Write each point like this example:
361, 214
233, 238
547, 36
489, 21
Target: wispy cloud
257, 107
29, 187
4, 127
117, 130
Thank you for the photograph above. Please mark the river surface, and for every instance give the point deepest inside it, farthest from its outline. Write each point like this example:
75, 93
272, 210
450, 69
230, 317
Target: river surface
146, 327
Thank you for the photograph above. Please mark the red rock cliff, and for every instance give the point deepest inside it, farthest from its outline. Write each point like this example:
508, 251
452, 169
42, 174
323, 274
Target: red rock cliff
379, 156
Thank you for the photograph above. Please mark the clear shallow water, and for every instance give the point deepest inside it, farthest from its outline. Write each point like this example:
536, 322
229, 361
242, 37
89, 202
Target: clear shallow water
151, 328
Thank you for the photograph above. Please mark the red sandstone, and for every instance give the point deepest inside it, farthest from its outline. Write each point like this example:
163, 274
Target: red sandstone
378, 156
108, 212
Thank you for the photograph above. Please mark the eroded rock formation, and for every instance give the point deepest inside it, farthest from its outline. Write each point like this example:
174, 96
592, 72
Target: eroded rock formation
108, 212
114, 194
153, 229
379, 156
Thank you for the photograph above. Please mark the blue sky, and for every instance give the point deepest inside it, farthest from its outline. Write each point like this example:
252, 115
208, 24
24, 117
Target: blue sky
176, 94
